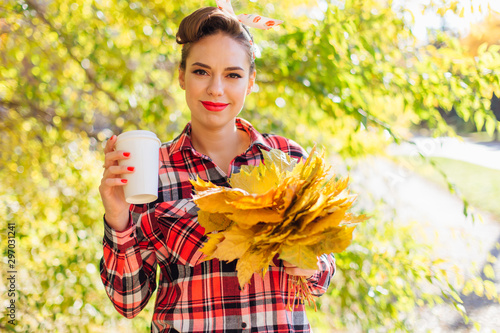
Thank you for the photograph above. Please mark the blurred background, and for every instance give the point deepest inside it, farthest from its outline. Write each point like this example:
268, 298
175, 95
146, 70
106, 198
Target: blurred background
403, 95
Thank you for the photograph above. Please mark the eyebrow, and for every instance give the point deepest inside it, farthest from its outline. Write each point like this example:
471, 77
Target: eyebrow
235, 68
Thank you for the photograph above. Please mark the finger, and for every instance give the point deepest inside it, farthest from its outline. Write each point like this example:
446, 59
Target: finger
287, 264
107, 185
120, 170
115, 182
300, 272
113, 157
110, 145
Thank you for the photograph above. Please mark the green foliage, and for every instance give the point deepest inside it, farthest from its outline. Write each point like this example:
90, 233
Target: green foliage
382, 280
359, 69
49, 191
346, 74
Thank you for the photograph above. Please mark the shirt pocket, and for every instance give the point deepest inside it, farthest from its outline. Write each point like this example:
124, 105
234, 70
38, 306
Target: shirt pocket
181, 234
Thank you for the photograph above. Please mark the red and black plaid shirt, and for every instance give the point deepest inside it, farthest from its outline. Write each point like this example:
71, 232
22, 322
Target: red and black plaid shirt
195, 295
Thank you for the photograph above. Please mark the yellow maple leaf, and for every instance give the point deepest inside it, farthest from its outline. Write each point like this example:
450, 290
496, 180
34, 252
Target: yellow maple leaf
285, 195
248, 218
235, 243
336, 202
321, 224
266, 176
253, 201
254, 260
299, 255
335, 240
351, 220
217, 200
340, 185
275, 158
272, 234
211, 244
213, 221
302, 203
307, 216
299, 210
201, 185
257, 181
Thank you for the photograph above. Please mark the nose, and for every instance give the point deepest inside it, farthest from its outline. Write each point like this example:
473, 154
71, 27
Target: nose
215, 87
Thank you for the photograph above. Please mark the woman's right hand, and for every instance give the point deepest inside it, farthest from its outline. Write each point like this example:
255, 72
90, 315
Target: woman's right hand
111, 189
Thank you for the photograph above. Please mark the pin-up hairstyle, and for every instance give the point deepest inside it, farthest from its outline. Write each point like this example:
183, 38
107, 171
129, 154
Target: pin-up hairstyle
209, 21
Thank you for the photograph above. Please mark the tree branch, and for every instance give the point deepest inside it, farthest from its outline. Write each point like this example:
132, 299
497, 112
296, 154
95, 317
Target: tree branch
90, 74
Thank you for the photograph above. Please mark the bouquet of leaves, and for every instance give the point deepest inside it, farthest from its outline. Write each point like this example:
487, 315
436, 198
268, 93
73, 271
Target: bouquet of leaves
298, 210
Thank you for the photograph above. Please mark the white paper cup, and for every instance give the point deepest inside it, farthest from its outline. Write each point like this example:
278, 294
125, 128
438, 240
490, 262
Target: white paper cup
143, 146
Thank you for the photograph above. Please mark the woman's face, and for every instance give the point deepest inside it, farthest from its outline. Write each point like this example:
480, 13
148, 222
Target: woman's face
216, 80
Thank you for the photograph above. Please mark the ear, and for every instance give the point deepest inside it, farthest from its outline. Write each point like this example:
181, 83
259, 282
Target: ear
182, 77
251, 82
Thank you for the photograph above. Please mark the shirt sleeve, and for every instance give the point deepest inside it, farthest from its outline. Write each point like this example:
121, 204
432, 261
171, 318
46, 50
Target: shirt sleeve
128, 265
318, 283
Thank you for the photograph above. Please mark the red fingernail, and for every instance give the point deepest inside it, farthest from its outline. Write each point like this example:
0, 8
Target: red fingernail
130, 168
113, 137
124, 181
126, 154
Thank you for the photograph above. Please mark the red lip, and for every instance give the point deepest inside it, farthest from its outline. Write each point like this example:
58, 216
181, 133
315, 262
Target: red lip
211, 106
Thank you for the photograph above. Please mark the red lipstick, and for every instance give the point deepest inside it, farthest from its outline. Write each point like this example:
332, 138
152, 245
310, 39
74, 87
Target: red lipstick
211, 106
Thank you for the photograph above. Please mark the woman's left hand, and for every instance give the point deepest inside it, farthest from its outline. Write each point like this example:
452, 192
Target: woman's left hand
294, 270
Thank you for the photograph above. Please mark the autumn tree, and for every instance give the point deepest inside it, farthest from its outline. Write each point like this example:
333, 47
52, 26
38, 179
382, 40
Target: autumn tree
485, 35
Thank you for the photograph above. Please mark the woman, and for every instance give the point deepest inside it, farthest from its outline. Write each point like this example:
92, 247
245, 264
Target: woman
217, 72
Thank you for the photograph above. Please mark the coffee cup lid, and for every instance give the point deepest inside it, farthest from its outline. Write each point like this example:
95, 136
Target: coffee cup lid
138, 134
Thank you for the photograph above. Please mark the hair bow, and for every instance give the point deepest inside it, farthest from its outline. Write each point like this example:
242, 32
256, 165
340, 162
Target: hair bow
251, 20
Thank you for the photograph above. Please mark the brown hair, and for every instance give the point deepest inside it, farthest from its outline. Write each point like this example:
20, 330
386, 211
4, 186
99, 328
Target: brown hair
209, 21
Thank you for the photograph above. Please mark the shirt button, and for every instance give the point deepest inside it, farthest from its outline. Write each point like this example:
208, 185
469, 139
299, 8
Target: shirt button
243, 325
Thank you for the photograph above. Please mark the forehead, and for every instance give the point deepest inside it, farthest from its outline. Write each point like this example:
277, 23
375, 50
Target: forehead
219, 49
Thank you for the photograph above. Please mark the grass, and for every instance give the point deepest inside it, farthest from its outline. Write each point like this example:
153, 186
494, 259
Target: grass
479, 185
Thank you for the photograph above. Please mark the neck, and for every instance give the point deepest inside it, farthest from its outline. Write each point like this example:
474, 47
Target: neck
214, 140
221, 145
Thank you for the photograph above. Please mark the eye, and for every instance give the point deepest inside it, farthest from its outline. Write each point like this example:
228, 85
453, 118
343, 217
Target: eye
200, 72
234, 76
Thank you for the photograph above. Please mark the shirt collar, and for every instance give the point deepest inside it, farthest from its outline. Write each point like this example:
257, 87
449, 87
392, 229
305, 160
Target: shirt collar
183, 141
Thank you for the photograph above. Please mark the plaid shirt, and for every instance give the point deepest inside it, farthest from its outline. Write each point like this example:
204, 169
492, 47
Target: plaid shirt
195, 295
